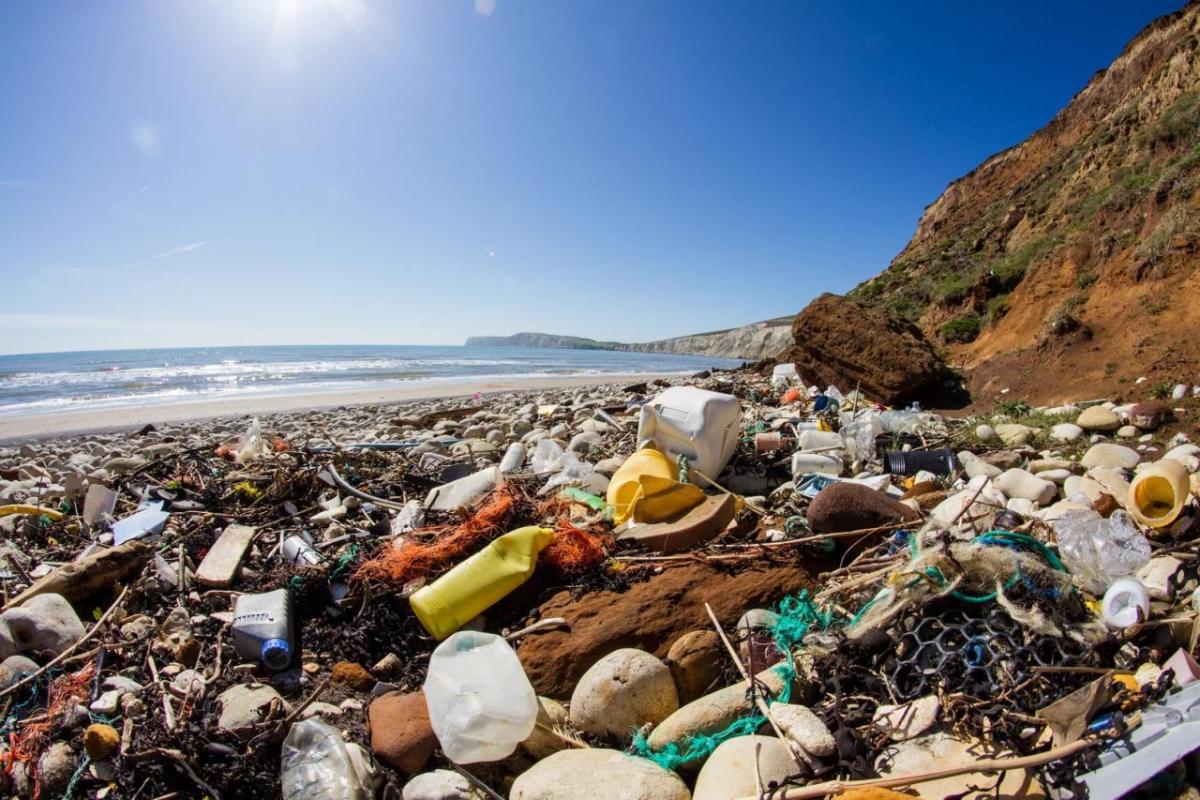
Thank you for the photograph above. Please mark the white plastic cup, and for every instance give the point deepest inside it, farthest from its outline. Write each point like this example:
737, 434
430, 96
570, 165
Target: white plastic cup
1125, 603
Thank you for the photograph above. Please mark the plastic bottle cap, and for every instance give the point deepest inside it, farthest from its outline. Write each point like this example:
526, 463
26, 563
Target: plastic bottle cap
276, 653
1126, 603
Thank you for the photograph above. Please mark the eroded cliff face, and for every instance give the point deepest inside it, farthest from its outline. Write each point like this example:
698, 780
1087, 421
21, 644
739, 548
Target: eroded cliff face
1067, 264
752, 342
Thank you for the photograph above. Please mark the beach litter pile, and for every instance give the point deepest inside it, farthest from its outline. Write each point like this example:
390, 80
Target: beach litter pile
734, 585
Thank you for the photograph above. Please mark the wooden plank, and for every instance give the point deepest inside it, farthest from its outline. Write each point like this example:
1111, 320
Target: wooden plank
221, 565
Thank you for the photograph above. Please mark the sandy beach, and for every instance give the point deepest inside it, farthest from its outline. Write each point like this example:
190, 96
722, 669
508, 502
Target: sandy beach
36, 426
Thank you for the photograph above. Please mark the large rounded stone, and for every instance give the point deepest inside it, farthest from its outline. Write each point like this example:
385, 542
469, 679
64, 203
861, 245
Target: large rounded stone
713, 712
1111, 456
45, 623
621, 693
695, 660
598, 774
804, 728
734, 768
1098, 418
243, 706
1014, 434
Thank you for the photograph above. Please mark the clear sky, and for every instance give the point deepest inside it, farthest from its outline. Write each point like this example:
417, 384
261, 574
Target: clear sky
209, 172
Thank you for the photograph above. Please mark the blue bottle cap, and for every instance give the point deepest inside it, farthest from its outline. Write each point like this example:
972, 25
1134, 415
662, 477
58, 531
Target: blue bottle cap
276, 653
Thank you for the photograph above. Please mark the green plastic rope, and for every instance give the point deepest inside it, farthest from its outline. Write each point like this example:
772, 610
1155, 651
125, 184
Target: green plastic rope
797, 616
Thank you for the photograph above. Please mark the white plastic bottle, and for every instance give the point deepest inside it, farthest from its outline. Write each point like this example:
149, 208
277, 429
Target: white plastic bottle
481, 703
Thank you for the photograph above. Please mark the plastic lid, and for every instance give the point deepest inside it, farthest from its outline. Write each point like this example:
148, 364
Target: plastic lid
276, 653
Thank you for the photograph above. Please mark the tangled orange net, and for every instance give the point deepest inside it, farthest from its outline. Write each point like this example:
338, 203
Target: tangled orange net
414, 559
27, 744
574, 549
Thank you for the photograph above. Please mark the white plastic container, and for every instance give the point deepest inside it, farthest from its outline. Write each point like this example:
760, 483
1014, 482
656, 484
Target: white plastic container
481, 704
691, 422
783, 376
262, 628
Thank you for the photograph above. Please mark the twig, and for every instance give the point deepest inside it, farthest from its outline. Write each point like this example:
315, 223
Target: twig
65, 653
286, 721
548, 622
987, 765
800, 762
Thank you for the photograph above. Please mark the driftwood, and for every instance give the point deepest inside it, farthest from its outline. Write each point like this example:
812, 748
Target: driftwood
81, 579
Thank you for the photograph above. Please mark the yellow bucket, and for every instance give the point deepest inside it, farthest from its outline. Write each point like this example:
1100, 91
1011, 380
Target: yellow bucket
645, 489
478, 583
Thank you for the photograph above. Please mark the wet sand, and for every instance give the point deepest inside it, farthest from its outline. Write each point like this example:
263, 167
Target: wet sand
34, 426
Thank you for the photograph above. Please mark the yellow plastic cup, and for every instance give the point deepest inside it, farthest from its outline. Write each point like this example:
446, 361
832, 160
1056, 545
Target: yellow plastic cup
478, 583
1158, 493
645, 488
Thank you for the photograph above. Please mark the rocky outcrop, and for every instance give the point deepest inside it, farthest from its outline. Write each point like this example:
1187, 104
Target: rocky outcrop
752, 342
550, 340
848, 344
1072, 254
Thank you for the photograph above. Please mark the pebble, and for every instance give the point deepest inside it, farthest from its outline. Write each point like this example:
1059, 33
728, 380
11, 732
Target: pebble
14, 669
622, 692
542, 742
245, 705
975, 466
597, 774
441, 784
735, 767
985, 432
804, 728
712, 712
56, 767
909, 720
942, 751
1014, 435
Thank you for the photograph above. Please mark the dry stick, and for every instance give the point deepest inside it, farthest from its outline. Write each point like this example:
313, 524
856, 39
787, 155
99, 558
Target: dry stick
476, 782
548, 622
800, 762
987, 765
65, 653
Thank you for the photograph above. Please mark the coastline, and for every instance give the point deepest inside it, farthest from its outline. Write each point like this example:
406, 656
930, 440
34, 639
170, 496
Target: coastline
103, 420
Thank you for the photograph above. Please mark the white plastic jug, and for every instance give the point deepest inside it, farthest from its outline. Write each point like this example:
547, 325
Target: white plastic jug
783, 376
696, 423
806, 463
481, 704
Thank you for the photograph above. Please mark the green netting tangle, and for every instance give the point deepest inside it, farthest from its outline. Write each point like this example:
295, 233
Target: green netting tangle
797, 616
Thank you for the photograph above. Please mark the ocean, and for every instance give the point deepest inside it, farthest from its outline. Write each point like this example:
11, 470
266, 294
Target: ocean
52, 382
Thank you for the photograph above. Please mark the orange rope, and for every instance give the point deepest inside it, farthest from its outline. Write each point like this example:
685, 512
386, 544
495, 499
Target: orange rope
413, 559
27, 745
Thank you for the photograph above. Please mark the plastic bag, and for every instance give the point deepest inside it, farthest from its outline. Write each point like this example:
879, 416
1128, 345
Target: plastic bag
253, 444
481, 703
547, 457
317, 764
572, 470
1097, 551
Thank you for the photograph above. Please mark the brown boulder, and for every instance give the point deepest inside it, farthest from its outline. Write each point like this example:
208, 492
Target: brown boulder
649, 616
852, 507
401, 735
1150, 415
842, 342
696, 660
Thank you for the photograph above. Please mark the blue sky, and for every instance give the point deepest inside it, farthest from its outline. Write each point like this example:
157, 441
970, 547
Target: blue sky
351, 171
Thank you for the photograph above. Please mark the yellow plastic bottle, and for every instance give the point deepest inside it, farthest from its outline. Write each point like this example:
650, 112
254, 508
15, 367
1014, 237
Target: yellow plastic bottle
1158, 493
480, 582
645, 488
